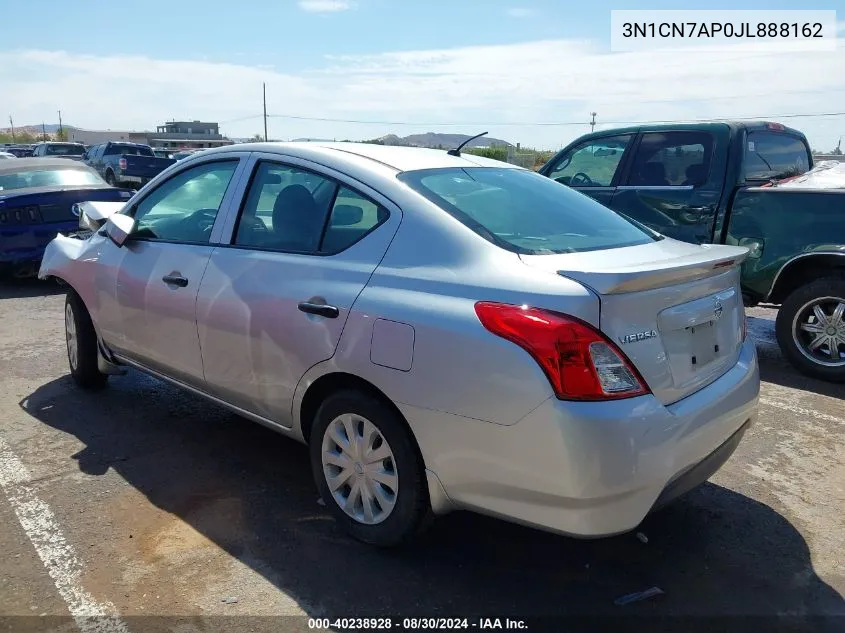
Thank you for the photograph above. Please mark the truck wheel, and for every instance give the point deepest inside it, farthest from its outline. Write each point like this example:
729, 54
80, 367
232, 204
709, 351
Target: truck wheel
81, 344
110, 179
810, 329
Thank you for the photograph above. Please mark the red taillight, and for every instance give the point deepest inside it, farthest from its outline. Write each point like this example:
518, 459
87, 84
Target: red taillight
775, 126
580, 362
121, 163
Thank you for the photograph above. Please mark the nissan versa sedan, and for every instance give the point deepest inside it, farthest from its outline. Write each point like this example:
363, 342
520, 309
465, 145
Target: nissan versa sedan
443, 331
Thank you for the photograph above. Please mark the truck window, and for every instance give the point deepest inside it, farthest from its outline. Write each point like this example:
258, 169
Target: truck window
671, 159
130, 150
591, 164
771, 155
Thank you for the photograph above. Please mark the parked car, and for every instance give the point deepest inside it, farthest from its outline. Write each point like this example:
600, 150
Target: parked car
73, 151
126, 163
443, 331
6, 155
36, 202
20, 151
163, 153
708, 183
182, 154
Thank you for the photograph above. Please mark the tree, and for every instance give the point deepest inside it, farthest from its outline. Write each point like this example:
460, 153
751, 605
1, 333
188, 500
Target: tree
61, 135
20, 137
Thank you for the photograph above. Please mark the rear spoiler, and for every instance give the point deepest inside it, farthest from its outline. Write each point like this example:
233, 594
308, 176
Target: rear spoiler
617, 280
92, 215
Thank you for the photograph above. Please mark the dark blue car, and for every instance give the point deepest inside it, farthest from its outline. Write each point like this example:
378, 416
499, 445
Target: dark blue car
36, 202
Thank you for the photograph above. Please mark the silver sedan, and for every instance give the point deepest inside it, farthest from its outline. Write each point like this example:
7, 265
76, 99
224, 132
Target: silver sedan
443, 331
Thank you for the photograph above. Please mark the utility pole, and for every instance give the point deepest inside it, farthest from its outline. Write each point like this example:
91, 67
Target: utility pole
43, 131
264, 87
593, 122
12, 123
61, 130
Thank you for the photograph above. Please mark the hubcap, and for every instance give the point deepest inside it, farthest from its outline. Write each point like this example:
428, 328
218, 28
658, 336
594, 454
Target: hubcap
360, 469
819, 331
72, 343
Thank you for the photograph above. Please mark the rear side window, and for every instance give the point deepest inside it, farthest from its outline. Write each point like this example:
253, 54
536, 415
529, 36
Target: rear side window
771, 155
669, 159
524, 212
289, 209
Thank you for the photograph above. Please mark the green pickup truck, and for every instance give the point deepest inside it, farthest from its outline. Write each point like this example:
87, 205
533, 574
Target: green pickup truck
718, 183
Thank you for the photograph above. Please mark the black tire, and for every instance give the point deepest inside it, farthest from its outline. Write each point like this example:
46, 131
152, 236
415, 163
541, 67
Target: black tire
411, 512
110, 178
789, 316
83, 368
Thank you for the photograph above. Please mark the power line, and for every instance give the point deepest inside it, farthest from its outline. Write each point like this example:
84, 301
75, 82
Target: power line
550, 123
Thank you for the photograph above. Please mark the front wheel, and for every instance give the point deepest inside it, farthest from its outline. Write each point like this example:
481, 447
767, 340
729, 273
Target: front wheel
81, 344
810, 329
367, 469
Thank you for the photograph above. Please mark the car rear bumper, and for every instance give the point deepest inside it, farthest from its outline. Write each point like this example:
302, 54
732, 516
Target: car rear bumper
589, 469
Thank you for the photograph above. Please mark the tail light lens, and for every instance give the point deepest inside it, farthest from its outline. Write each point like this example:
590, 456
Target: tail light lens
579, 361
744, 326
121, 162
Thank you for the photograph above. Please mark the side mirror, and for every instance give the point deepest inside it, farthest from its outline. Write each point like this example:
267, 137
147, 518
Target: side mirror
119, 227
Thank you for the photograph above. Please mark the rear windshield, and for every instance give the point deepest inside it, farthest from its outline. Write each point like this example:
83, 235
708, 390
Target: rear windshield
65, 150
48, 178
524, 212
129, 150
771, 155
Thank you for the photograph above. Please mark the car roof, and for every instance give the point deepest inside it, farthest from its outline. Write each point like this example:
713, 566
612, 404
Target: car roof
681, 126
60, 143
396, 158
22, 164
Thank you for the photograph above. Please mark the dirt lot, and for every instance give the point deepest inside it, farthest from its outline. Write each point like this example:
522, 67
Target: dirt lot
143, 501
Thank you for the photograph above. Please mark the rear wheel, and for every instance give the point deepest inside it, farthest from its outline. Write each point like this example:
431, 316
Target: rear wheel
811, 329
111, 179
81, 344
367, 469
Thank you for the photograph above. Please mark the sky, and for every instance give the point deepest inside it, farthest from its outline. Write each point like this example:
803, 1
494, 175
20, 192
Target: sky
526, 71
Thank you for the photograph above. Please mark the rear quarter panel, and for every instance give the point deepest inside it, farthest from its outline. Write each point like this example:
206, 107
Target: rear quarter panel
787, 223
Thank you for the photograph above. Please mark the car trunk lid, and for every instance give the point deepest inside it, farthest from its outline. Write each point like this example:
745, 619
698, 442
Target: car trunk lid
674, 309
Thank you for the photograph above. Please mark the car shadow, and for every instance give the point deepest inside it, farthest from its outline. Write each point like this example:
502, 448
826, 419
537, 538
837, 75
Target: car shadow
713, 553
774, 368
28, 288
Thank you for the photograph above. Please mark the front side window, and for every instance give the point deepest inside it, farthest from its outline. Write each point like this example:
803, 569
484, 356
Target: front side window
592, 164
771, 155
524, 212
184, 207
668, 159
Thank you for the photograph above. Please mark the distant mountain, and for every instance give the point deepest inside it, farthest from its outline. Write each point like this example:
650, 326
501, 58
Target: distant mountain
313, 140
445, 141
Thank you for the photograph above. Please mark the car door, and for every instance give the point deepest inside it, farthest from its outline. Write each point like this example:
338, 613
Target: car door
274, 301
591, 166
673, 183
163, 262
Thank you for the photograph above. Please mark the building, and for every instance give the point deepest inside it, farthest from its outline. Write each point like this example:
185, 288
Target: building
93, 137
171, 135
187, 134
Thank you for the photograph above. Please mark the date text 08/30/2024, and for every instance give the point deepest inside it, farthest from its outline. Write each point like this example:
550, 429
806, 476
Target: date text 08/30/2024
416, 624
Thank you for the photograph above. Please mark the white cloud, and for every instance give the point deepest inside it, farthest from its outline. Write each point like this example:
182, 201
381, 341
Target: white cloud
324, 6
517, 85
521, 12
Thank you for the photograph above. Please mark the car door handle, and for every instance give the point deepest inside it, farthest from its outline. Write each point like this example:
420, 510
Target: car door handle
176, 280
322, 309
